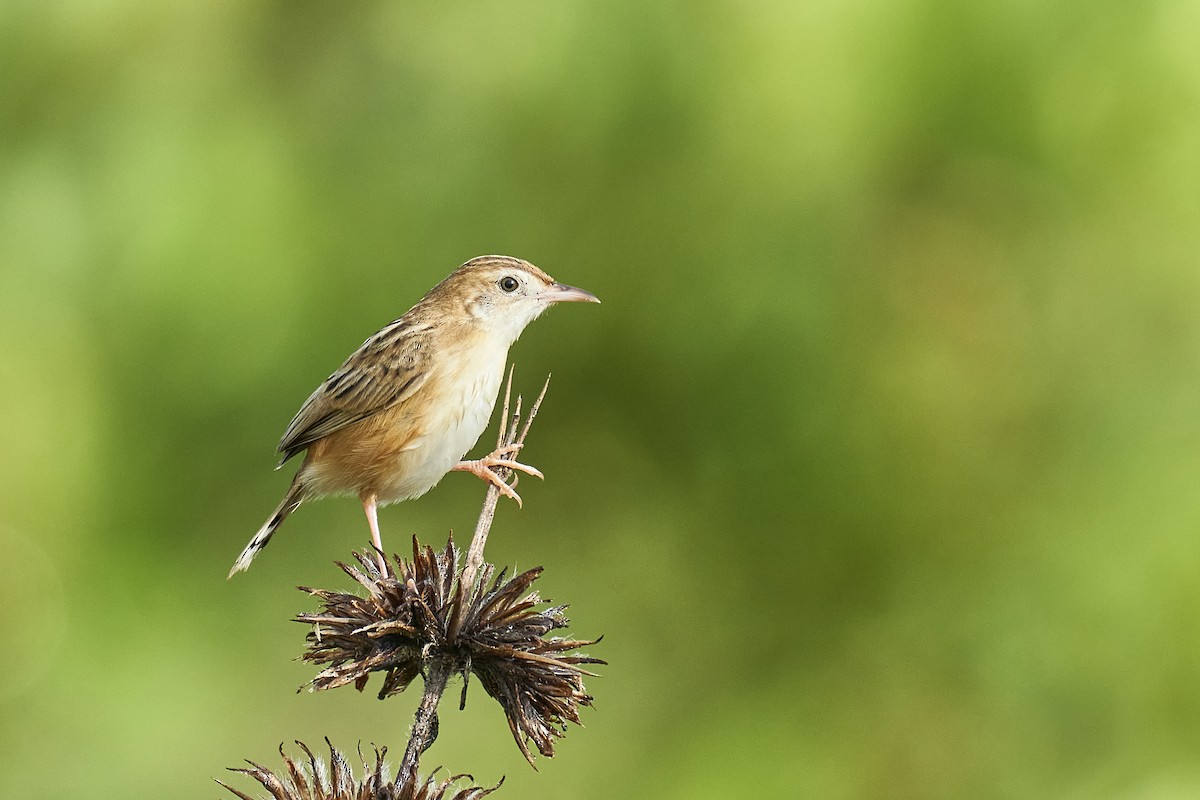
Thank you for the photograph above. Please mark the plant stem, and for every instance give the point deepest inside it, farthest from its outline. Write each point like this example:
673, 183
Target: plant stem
511, 433
425, 721
437, 675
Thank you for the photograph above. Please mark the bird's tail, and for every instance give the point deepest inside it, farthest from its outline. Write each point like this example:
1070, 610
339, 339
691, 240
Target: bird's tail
293, 498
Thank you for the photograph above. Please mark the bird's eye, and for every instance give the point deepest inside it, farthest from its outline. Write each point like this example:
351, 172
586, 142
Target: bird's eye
509, 284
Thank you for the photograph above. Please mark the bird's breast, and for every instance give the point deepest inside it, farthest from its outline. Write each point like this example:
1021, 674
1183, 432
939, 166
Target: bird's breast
457, 407
402, 451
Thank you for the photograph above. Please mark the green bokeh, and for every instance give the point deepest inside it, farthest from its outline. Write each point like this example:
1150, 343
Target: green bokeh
877, 467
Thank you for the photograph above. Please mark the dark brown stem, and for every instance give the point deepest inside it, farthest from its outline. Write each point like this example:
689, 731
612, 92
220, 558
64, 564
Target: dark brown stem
425, 721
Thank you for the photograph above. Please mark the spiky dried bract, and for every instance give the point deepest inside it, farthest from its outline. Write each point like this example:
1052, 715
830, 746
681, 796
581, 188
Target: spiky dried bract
403, 625
309, 779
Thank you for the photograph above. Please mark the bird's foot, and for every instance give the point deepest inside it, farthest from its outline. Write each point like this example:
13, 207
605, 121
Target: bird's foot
484, 468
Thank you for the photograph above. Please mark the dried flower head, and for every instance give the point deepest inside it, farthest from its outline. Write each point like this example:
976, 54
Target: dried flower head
414, 619
310, 779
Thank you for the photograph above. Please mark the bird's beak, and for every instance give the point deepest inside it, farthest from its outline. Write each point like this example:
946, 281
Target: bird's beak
561, 293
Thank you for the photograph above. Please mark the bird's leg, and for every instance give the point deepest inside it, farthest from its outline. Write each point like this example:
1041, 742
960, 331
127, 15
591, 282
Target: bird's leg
368, 504
484, 468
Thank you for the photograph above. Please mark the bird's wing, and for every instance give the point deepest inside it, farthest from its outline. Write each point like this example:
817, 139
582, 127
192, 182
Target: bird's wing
388, 368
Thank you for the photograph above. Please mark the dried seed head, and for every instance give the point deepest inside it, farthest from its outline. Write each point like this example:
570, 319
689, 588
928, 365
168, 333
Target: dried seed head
310, 779
404, 624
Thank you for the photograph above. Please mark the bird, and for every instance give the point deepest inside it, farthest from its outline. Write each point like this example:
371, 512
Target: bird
403, 410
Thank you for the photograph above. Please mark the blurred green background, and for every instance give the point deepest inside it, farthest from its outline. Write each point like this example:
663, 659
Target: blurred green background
877, 468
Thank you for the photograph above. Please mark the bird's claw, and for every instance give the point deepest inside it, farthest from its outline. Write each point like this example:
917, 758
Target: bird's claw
489, 462
484, 468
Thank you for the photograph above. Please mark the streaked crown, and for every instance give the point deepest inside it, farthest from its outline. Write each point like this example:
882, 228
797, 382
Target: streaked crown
500, 293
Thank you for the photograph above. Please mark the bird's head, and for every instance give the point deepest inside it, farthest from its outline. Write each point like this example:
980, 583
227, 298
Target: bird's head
503, 294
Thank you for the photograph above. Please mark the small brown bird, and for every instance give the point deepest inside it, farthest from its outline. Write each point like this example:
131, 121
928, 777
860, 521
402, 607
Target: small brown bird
409, 403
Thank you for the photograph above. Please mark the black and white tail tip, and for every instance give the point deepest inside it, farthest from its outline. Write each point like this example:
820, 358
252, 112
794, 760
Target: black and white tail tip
289, 504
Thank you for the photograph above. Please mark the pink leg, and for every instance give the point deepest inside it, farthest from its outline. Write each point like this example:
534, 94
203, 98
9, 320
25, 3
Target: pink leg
368, 504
